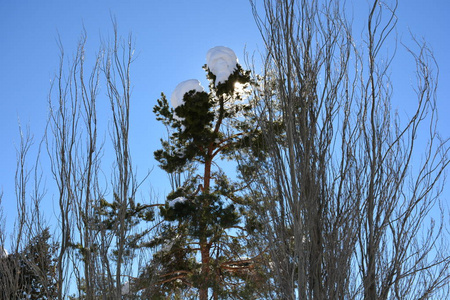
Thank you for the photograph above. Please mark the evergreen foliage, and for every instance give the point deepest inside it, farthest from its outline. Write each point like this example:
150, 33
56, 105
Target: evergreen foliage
202, 243
30, 274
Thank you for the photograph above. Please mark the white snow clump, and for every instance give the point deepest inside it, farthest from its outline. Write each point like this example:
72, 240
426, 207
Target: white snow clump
177, 200
126, 288
182, 88
180, 152
221, 62
3, 252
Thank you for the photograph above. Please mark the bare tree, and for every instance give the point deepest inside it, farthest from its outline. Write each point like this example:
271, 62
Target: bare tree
75, 155
10, 278
61, 146
95, 235
87, 167
397, 249
89, 239
29, 269
117, 73
345, 211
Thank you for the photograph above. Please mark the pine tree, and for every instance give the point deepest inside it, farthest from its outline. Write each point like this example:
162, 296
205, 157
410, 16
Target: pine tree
31, 273
202, 246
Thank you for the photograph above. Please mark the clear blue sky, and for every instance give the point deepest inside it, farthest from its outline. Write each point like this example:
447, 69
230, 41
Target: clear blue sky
172, 38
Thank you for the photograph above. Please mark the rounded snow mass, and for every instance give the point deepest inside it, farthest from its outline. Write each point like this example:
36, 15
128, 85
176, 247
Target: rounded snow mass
3, 252
177, 200
182, 88
221, 62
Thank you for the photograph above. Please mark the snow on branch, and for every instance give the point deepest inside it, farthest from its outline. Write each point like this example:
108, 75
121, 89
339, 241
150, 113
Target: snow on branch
176, 200
222, 62
182, 88
3, 252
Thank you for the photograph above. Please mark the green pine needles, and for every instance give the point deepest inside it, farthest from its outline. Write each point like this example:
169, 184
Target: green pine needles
202, 248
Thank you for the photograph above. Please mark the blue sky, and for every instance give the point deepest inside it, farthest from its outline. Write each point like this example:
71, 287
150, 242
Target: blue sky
172, 38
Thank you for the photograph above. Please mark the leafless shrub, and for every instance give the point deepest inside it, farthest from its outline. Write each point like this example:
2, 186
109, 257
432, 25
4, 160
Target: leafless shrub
345, 207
